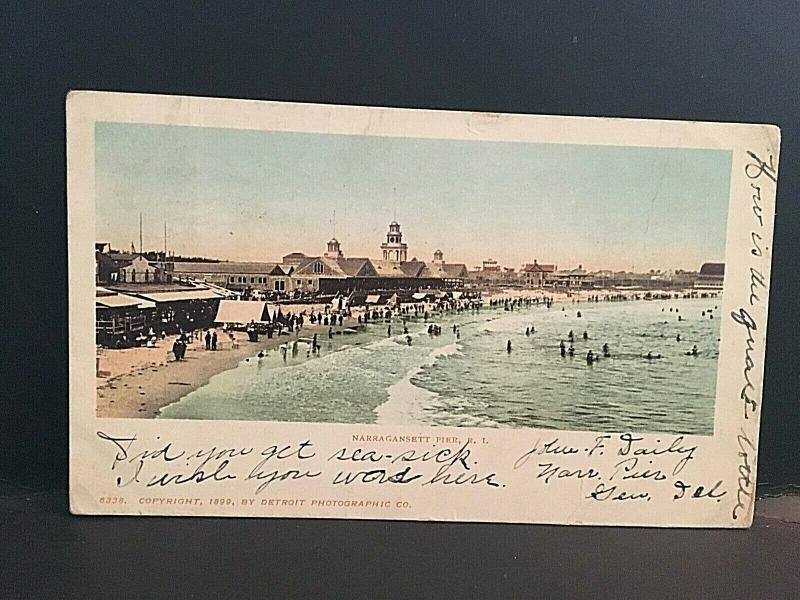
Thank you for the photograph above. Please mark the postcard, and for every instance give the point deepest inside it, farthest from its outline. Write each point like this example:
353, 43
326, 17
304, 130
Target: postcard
305, 310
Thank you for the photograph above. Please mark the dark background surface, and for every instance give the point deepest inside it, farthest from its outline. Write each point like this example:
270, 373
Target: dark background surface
49, 554
732, 61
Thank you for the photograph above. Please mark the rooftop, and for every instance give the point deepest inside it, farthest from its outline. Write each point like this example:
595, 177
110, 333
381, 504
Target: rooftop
148, 287
535, 267
713, 269
269, 268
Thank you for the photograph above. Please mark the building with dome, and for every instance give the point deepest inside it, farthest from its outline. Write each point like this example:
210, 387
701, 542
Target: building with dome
332, 273
334, 249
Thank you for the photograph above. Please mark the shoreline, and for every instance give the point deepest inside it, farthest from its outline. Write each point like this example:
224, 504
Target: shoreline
140, 381
151, 382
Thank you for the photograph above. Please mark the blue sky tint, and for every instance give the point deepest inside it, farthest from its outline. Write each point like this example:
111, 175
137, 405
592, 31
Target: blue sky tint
255, 195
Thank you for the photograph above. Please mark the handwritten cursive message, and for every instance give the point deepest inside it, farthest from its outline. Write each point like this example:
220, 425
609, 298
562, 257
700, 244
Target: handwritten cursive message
619, 468
760, 171
166, 466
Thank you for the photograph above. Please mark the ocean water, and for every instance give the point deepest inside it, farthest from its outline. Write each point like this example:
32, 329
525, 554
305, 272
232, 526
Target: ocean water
473, 381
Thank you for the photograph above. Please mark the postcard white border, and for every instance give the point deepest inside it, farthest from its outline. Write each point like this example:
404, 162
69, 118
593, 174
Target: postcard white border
729, 456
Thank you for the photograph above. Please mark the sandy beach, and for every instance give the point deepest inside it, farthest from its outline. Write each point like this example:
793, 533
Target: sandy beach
139, 382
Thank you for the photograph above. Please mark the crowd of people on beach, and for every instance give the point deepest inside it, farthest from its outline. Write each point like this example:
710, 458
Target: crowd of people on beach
184, 338
429, 311
437, 316
325, 319
335, 321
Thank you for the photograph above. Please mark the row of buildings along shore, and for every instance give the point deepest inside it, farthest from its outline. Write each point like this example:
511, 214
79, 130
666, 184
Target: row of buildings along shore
333, 272
137, 290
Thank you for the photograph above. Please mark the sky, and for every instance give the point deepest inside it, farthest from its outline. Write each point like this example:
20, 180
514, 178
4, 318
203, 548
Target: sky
258, 195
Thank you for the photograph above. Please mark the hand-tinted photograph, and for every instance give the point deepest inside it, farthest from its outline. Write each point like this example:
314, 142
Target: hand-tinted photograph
309, 277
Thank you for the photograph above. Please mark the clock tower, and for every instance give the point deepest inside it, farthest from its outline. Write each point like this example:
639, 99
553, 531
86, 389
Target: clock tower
394, 248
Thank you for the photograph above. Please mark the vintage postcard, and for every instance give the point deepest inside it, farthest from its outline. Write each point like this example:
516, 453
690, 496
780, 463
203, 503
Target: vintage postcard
304, 310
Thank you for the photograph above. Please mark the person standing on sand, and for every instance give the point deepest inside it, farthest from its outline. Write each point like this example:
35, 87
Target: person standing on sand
214, 341
208, 340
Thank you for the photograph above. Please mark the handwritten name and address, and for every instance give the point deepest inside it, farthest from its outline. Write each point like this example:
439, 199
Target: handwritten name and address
640, 470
